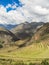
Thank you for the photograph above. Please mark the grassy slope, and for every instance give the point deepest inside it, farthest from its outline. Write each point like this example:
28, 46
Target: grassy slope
34, 51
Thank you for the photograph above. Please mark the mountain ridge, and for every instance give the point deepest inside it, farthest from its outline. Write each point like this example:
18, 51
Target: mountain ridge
7, 37
26, 29
27, 33
8, 26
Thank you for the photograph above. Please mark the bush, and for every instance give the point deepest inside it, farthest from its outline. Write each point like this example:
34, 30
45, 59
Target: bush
44, 63
19, 63
31, 63
1, 46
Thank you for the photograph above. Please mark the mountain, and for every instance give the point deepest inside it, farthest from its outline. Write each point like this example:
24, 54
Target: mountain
32, 48
42, 34
8, 26
40, 37
26, 34
26, 30
7, 37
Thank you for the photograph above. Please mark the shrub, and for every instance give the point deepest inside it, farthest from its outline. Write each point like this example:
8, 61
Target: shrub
31, 63
1, 46
44, 63
19, 63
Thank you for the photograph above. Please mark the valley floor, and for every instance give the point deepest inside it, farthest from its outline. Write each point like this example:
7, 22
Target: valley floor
33, 53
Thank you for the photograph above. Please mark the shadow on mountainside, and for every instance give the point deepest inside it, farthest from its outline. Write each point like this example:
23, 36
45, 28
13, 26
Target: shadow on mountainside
5, 34
26, 43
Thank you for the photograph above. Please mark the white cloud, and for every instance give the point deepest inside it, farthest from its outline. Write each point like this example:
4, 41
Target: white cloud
11, 17
12, 6
41, 11
9, 5
32, 10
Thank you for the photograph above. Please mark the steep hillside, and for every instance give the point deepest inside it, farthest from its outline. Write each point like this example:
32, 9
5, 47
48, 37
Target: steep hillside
6, 37
42, 33
26, 30
40, 36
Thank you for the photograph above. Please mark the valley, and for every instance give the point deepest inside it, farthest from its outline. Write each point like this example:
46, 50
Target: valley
25, 43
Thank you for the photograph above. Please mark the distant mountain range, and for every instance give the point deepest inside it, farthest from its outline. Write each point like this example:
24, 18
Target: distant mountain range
9, 26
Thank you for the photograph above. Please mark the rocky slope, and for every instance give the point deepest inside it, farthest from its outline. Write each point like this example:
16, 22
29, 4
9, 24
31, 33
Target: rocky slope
26, 30
42, 34
7, 37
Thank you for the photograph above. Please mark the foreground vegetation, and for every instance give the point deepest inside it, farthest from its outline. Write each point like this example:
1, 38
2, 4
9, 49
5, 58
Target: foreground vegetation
31, 55
12, 62
34, 54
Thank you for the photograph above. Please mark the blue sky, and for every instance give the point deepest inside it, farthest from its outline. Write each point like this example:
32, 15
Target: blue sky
19, 11
5, 2
12, 2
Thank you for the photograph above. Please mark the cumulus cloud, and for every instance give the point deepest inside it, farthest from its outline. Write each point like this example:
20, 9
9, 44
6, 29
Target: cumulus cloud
11, 17
31, 11
12, 5
41, 11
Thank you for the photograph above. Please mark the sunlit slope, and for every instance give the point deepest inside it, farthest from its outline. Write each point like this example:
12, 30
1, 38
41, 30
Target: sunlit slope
42, 34
26, 53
